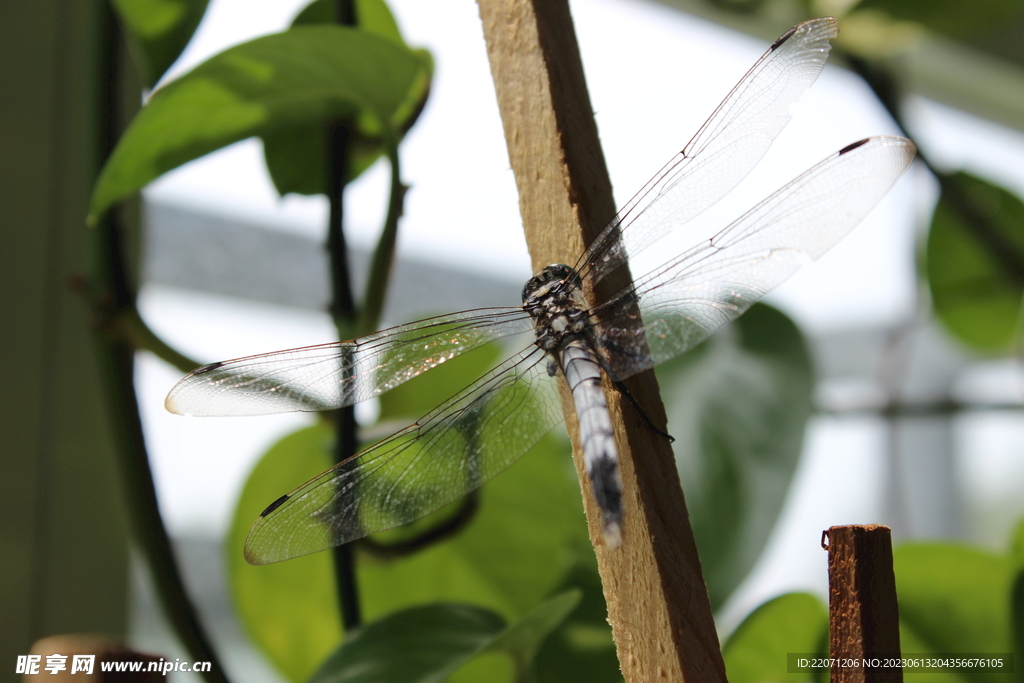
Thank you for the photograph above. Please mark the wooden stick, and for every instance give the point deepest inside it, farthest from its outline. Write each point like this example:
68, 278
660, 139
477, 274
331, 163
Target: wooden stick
657, 603
864, 619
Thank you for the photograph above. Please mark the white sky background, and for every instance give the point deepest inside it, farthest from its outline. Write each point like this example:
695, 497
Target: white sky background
654, 76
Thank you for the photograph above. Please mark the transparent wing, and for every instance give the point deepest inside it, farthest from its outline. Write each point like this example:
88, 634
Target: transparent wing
453, 450
722, 152
686, 300
338, 374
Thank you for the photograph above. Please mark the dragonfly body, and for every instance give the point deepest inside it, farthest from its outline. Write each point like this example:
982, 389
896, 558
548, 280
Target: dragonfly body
554, 300
597, 438
478, 432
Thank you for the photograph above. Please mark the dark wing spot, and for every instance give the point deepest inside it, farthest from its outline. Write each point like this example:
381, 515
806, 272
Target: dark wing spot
276, 504
208, 368
784, 37
852, 146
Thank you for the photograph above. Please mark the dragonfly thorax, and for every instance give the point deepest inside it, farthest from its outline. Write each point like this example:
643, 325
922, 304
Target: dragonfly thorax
554, 299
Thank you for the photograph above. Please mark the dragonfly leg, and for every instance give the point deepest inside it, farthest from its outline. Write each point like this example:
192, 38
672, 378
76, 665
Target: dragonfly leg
643, 414
621, 386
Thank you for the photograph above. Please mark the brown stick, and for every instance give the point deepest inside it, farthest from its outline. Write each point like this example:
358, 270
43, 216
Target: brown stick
657, 602
864, 619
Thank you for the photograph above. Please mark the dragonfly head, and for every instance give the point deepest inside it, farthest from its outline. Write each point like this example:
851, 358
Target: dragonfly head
554, 277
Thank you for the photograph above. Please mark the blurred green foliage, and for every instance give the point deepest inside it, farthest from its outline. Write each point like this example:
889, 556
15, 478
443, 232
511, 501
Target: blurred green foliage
296, 155
951, 17
974, 262
157, 31
756, 650
738, 407
289, 609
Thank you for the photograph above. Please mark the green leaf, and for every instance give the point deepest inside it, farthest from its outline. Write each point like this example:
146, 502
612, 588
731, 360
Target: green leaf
431, 643
289, 609
951, 17
305, 75
756, 651
1017, 545
296, 156
373, 16
158, 31
419, 645
911, 643
975, 262
582, 649
954, 599
522, 640
527, 534
737, 407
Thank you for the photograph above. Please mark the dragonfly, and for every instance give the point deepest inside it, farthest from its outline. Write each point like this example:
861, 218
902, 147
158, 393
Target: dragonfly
485, 428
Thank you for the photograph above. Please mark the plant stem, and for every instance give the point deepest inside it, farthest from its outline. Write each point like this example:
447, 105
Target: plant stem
130, 325
344, 313
117, 357
384, 254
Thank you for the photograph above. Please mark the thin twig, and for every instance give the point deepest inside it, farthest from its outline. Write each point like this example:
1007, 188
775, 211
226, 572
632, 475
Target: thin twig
135, 330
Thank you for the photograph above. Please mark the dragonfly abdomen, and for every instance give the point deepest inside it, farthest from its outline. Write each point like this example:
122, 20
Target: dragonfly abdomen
600, 456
